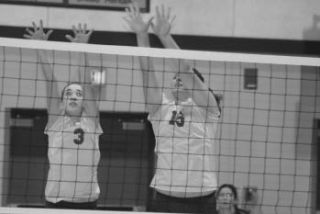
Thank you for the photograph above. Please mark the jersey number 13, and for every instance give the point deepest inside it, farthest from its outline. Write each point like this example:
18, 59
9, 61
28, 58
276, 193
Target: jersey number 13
177, 118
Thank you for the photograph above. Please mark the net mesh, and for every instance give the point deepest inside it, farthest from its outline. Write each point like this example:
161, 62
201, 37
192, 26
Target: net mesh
265, 143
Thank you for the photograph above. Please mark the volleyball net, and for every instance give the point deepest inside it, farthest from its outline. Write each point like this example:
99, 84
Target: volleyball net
265, 143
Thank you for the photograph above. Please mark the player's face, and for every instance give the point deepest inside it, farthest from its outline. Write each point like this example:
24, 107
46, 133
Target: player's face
225, 198
178, 91
73, 99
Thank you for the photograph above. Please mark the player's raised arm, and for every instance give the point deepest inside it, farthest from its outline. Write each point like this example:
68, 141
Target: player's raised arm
83, 75
152, 92
37, 33
189, 76
162, 27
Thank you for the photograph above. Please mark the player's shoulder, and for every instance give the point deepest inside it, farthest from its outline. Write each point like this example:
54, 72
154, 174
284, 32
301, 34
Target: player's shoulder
92, 124
54, 124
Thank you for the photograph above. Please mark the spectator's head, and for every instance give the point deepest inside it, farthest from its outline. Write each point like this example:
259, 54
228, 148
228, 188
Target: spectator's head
227, 197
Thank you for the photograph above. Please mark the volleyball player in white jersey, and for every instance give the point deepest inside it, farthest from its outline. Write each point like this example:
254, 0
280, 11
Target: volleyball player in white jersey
73, 131
184, 121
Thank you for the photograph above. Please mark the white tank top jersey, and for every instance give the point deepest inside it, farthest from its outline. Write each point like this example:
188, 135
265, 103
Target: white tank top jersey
184, 133
73, 153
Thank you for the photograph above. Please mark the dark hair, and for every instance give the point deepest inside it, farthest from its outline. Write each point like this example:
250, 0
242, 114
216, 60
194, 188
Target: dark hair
218, 97
196, 72
199, 75
231, 187
64, 88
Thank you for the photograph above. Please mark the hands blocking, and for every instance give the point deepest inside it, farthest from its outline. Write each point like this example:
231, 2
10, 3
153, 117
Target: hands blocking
161, 27
81, 33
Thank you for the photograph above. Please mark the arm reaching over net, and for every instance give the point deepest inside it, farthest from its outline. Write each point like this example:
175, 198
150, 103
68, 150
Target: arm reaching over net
191, 78
53, 101
73, 130
183, 175
151, 89
83, 75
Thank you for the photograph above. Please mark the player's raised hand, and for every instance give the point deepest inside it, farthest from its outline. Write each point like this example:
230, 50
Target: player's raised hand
135, 20
37, 32
81, 34
163, 22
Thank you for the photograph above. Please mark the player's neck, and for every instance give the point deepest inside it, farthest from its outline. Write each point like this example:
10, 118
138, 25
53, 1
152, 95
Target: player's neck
178, 101
74, 118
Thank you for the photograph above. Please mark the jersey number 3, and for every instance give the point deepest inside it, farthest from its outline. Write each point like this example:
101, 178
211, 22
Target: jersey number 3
79, 136
177, 118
